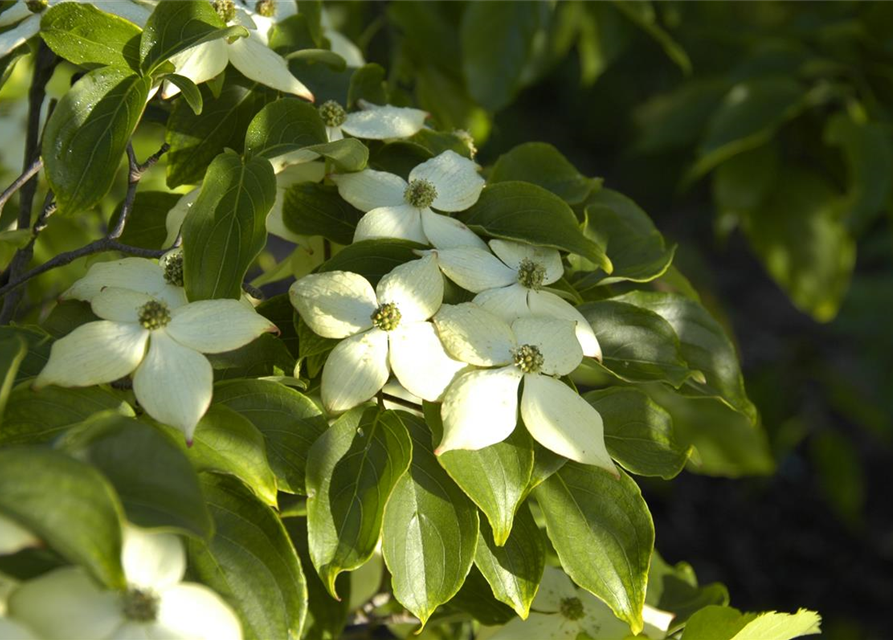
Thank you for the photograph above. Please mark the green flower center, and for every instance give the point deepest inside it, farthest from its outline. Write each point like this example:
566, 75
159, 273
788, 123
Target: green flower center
531, 274
173, 269
420, 193
140, 605
36, 6
226, 9
386, 317
528, 358
266, 8
571, 608
154, 315
332, 113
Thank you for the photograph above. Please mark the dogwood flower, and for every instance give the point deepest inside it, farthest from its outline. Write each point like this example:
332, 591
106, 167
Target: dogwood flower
510, 284
372, 121
26, 16
14, 630
386, 329
561, 611
66, 603
14, 537
481, 407
162, 280
162, 346
250, 55
397, 209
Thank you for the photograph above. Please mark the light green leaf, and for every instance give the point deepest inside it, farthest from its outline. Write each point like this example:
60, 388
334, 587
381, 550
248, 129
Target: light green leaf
528, 213
372, 259
87, 133
313, 209
704, 345
346, 155
84, 528
226, 227
515, 569
283, 126
190, 91
157, 484
430, 530
638, 345
88, 37
289, 421
542, 164
725, 623
602, 531
638, 433
251, 562
351, 472
16, 238
12, 352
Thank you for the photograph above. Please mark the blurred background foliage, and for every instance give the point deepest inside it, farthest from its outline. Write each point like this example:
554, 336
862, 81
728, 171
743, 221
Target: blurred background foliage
757, 136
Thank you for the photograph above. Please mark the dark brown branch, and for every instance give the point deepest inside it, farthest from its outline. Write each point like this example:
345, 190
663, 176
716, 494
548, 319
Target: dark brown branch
135, 172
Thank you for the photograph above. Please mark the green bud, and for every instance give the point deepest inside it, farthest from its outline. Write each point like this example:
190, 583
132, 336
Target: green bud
571, 608
173, 268
226, 9
36, 6
386, 317
420, 193
140, 605
528, 358
266, 8
332, 113
531, 274
154, 315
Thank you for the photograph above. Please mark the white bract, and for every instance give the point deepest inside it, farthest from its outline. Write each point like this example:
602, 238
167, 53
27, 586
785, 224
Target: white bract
28, 22
66, 603
163, 280
386, 329
14, 537
561, 611
372, 121
160, 345
510, 284
397, 209
250, 55
481, 407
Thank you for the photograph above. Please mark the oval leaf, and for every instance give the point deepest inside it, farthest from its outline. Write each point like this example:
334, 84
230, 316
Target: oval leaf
542, 164
284, 126
88, 37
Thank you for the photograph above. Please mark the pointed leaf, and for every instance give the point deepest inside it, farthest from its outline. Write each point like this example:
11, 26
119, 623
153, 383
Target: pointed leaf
12, 351
312, 209
190, 91
284, 126
542, 164
726, 623
88, 37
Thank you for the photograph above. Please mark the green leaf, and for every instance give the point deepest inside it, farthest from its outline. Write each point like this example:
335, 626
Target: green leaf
313, 209
515, 569
748, 117
88, 37
496, 43
676, 119
176, 26
251, 562
16, 238
725, 623
312, 12
84, 528
430, 530
284, 126
190, 91
367, 83
636, 248
352, 470
196, 140
39, 344
801, 240
146, 224
313, 349
265, 356
643, 15
227, 442
33, 417
476, 599
153, 477
495, 477
289, 421
704, 345
87, 133
12, 353
542, 164
638, 345
602, 530
743, 182
675, 588
226, 227
372, 259
319, 56
638, 433
527, 213
346, 155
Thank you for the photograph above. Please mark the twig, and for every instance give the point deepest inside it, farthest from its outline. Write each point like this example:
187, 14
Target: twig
133, 178
19, 182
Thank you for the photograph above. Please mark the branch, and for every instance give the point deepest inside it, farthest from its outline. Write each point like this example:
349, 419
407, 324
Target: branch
133, 178
19, 182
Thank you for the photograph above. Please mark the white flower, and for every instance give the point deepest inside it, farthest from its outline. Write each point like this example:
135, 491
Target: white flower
14, 537
14, 630
66, 603
28, 22
397, 209
250, 55
561, 611
510, 283
481, 407
163, 281
386, 329
162, 345
372, 121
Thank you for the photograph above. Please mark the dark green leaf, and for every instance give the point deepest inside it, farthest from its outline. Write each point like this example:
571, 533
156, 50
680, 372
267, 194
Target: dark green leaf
602, 530
12, 352
319, 56
251, 562
367, 83
88, 37
146, 224
543, 165
226, 227
351, 472
675, 588
284, 126
430, 530
312, 12
289, 420
313, 349
87, 133
265, 356
313, 209
39, 344
190, 92
527, 213
476, 599
743, 182
643, 15
85, 527
372, 259
675, 120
